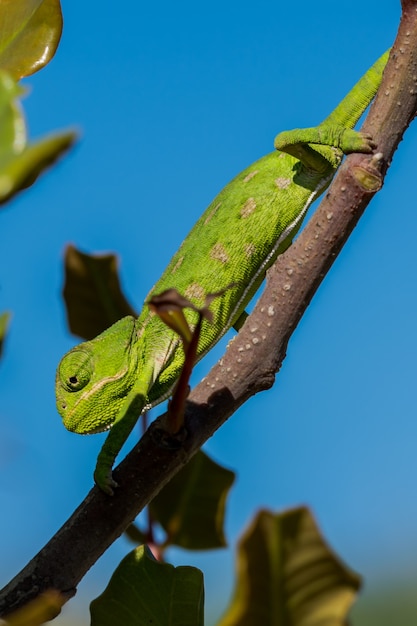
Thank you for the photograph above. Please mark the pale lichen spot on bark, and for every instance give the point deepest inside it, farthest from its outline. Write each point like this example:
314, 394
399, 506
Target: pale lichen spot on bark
282, 183
177, 264
219, 253
212, 212
195, 291
249, 176
248, 207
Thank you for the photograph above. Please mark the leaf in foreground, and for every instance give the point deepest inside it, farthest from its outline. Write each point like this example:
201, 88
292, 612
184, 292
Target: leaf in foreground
39, 611
191, 507
29, 34
4, 322
145, 591
288, 576
20, 162
92, 293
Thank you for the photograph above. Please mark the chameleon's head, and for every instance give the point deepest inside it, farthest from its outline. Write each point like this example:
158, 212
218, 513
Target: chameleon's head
93, 378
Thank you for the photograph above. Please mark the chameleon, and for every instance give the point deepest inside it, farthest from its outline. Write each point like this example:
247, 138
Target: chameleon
107, 382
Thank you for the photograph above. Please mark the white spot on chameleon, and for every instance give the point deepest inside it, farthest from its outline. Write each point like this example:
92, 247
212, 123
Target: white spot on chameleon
248, 207
195, 291
255, 340
282, 183
218, 253
212, 213
271, 311
250, 249
177, 264
250, 176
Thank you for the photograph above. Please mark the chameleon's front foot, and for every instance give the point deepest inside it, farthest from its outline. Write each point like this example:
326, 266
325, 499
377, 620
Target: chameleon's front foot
104, 479
356, 141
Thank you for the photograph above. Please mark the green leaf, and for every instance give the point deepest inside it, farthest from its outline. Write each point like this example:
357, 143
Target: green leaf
38, 611
144, 591
191, 507
22, 170
134, 534
21, 164
4, 322
288, 576
12, 123
29, 34
92, 293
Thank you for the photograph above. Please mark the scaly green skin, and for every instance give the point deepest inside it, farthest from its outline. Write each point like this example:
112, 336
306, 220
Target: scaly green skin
108, 381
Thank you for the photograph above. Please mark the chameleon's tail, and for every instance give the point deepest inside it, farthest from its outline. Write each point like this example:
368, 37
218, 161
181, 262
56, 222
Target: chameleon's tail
350, 109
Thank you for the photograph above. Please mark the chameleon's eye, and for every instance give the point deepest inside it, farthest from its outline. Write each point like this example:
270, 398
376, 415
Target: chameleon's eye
75, 370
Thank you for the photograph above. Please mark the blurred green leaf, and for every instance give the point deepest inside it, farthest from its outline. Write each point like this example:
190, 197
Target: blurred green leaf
4, 322
39, 611
12, 123
135, 534
21, 164
288, 576
22, 170
191, 507
92, 293
30, 31
144, 591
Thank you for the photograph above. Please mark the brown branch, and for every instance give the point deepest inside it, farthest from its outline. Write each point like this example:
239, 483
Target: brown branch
253, 357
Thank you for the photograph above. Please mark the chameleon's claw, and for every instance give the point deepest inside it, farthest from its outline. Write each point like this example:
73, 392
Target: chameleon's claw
104, 480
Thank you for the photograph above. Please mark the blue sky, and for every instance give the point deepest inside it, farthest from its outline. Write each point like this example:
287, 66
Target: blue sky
172, 100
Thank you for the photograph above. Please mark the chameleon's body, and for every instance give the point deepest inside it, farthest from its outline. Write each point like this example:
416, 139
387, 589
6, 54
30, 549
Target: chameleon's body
108, 381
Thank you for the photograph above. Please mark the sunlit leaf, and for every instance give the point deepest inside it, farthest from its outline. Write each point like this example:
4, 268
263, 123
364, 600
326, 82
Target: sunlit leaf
92, 293
191, 507
22, 170
39, 611
21, 163
30, 31
145, 591
4, 322
12, 123
288, 576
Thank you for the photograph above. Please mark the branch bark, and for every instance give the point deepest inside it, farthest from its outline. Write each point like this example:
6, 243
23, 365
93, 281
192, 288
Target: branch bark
252, 359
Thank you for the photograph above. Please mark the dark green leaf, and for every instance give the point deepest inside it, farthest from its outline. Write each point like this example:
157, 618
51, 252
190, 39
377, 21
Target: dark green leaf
29, 34
135, 534
288, 576
4, 322
92, 293
144, 591
191, 507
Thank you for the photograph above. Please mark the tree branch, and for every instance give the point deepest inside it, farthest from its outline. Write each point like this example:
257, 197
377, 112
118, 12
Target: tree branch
252, 358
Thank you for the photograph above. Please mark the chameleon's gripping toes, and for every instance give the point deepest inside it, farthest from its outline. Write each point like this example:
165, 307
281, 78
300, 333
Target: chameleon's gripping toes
107, 382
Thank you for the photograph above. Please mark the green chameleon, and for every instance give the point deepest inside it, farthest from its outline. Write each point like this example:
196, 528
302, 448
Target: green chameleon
107, 382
